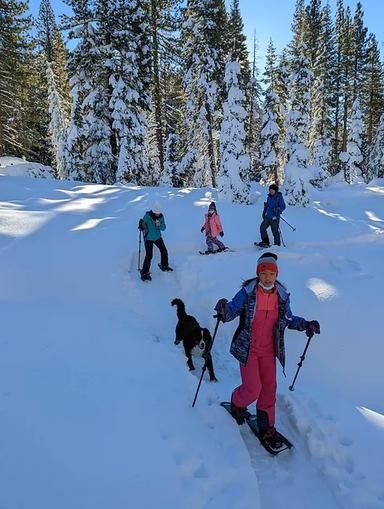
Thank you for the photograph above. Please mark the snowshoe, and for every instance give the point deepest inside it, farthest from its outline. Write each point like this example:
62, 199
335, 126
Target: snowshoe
272, 441
263, 245
165, 269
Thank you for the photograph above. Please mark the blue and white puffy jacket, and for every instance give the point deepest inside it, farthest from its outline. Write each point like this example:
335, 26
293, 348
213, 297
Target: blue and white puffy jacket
243, 305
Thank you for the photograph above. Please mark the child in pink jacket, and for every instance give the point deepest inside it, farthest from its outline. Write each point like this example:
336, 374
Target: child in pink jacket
213, 228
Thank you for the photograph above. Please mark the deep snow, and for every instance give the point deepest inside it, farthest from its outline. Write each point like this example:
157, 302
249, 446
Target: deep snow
95, 400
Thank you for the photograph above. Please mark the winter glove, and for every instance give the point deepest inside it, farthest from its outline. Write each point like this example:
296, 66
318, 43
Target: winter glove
312, 327
141, 225
157, 223
220, 308
202, 229
221, 234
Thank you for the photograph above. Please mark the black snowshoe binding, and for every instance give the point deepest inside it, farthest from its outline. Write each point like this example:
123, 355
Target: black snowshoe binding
263, 245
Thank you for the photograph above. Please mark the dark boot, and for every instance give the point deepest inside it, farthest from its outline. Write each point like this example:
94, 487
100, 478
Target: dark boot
145, 276
239, 414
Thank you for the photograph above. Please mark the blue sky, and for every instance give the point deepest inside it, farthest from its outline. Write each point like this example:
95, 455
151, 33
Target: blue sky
272, 19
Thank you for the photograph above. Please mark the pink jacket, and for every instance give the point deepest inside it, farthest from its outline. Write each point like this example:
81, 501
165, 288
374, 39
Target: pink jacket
212, 224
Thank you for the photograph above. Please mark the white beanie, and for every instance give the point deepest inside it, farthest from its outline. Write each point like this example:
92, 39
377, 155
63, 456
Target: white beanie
156, 209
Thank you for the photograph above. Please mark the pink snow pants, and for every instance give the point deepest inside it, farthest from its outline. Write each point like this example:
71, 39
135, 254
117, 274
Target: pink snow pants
258, 383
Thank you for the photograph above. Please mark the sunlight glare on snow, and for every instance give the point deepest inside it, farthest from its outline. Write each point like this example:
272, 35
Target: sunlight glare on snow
373, 217
331, 214
322, 289
373, 417
91, 223
80, 205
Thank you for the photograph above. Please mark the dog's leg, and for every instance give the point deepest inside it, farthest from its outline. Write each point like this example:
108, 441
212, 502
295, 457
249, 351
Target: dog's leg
189, 357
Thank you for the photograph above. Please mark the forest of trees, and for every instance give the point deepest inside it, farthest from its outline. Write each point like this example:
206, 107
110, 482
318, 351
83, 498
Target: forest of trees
165, 92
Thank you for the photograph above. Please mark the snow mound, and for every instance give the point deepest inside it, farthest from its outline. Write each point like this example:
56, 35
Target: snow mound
17, 167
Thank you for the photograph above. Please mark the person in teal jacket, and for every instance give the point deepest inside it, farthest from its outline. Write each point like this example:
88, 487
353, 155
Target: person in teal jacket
152, 225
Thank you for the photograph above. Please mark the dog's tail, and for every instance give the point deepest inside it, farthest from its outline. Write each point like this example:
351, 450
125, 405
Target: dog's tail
181, 313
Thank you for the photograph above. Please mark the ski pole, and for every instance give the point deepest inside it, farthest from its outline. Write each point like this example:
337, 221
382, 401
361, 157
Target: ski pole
205, 363
302, 357
293, 228
138, 263
281, 236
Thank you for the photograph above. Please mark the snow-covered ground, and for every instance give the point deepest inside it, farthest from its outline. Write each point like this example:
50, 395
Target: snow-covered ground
95, 399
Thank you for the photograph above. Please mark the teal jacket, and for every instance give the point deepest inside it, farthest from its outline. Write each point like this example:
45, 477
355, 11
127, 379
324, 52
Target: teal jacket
153, 232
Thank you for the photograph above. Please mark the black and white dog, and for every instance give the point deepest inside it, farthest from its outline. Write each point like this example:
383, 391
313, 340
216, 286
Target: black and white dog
196, 340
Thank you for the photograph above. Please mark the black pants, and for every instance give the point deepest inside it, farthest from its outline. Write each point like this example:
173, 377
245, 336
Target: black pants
274, 224
149, 253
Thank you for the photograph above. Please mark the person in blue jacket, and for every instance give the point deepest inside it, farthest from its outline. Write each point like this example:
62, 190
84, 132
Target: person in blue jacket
152, 225
273, 208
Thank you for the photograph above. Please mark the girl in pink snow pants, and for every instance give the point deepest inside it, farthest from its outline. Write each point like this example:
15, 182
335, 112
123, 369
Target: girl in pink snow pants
212, 227
264, 310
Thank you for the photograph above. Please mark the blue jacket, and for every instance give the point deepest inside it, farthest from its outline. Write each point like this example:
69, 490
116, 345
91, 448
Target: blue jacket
153, 232
243, 304
274, 206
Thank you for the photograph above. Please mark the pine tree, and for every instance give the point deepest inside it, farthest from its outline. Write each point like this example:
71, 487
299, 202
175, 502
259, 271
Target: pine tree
237, 44
49, 39
347, 70
15, 52
57, 125
312, 32
254, 119
373, 97
339, 27
234, 166
203, 57
169, 177
322, 162
296, 183
54, 55
164, 21
269, 140
352, 158
82, 77
270, 71
322, 93
130, 77
359, 52
375, 166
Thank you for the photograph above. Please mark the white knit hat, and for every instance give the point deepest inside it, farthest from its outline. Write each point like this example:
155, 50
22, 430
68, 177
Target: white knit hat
156, 209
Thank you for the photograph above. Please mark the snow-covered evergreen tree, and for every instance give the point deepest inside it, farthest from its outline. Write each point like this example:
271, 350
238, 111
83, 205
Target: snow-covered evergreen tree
269, 139
203, 58
375, 166
81, 77
297, 176
322, 160
14, 48
352, 158
170, 166
234, 166
322, 93
57, 124
130, 78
